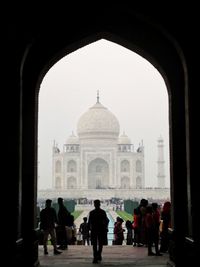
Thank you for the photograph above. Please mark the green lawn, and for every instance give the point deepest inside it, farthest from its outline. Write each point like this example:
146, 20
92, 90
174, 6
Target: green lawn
76, 213
125, 216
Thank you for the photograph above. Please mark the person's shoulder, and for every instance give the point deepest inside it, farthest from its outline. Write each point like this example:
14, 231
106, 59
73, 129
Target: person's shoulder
103, 211
92, 212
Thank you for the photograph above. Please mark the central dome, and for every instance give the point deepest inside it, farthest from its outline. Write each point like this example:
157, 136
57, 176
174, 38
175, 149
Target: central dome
98, 122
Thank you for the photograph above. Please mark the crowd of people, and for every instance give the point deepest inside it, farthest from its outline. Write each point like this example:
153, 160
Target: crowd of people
59, 226
148, 228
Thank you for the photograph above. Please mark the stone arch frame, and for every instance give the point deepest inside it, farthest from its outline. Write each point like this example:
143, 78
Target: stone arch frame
101, 172
169, 61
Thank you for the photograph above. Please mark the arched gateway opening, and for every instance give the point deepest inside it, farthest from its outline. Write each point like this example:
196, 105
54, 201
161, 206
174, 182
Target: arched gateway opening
98, 174
51, 46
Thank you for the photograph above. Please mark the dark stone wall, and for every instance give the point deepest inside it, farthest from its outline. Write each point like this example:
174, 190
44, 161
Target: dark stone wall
37, 36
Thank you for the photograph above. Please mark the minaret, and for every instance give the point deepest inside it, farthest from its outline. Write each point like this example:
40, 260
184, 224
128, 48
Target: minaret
161, 163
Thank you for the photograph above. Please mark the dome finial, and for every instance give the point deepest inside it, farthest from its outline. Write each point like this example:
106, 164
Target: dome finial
97, 96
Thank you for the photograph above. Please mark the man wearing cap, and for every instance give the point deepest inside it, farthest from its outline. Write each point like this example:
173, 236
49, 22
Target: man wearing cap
48, 219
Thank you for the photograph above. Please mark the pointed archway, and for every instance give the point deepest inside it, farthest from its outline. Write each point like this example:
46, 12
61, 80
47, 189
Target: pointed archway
52, 45
98, 174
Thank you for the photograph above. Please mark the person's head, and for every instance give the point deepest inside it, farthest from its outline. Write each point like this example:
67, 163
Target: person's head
60, 200
144, 202
97, 203
48, 202
85, 219
167, 206
120, 220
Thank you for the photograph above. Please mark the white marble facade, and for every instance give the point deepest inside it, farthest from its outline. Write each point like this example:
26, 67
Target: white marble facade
98, 157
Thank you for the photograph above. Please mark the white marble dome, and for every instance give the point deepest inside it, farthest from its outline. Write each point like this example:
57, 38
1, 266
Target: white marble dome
72, 140
124, 140
98, 122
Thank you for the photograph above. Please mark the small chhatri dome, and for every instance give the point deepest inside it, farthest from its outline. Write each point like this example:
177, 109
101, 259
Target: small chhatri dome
72, 140
124, 140
98, 122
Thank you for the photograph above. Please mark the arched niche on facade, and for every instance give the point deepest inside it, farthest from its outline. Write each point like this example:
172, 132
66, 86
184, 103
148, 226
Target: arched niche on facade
125, 166
71, 166
98, 174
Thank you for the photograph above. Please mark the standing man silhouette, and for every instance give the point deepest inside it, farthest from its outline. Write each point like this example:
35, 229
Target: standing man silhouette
98, 225
84, 229
63, 220
48, 219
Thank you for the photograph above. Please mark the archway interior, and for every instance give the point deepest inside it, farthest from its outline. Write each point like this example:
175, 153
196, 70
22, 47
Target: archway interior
131, 97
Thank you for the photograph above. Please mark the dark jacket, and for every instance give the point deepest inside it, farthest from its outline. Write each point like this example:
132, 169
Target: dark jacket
98, 224
64, 217
48, 218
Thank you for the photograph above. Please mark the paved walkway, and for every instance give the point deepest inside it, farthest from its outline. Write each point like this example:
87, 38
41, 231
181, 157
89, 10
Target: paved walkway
81, 256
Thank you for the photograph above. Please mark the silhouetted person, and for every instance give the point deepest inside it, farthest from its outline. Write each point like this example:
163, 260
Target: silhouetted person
119, 231
156, 228
149, 223
63, 217
98, 224
115, 235
129, 236
166, 223
48, 219
136, 227
142, 228
84, 229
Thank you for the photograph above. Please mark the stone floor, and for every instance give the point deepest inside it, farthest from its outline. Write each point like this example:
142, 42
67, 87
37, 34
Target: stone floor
81, 256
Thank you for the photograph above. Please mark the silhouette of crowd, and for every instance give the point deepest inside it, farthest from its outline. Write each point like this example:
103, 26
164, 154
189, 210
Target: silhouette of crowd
59, 226
149, 228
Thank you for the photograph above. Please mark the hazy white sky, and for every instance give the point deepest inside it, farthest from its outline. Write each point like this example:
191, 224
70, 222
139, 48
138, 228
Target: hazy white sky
129, 86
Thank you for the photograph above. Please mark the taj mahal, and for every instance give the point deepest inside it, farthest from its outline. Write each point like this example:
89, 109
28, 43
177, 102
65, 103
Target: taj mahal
101, 163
